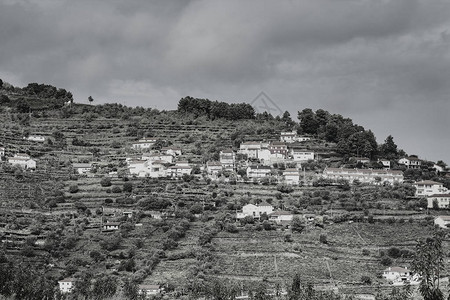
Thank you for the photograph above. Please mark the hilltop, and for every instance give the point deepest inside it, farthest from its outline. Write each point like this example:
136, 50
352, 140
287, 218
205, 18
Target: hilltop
180, 231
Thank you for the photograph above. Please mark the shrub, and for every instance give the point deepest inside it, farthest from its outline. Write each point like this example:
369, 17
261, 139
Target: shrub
323, 238
128, 187
386, 261
116, 189
73, 189
365, 252
394, 252
106, 181
366, 279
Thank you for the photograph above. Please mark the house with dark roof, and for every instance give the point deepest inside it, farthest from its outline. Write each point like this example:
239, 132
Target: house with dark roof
442, 200
281, 216
411, 162
429, 187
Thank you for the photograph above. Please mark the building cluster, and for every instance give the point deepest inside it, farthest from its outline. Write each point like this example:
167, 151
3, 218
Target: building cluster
435, 192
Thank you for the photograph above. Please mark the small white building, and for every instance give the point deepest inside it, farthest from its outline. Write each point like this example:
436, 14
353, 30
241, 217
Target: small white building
213, 167
386, 163
292, 176
149, 289
258, 171
411, 162
2, 151
281, 216
145, 143
179, 170
110, 226
227, 159
174, 151
442, 200
288, 137
255, 211
428, 187
66, 285
82, 168
158, 156
442, 221
22, 160
302, 155
157, 168
138, 167
35, 138
397, 274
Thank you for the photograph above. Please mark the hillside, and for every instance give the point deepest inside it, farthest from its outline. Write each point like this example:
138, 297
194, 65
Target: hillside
181, 232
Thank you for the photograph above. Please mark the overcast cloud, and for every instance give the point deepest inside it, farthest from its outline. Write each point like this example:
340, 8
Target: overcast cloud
385, 64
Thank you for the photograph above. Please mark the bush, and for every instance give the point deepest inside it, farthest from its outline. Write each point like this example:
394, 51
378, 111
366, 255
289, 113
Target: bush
366, 279
106, 181
323, 238
231, 228
128, 187
386, 261
365, 252
394, 252
73, 189
116, 189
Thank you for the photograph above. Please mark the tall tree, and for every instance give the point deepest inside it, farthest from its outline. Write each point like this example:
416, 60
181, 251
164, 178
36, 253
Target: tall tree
428, 262
389, 148
90, 99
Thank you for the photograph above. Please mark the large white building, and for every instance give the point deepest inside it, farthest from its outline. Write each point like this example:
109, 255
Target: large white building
442, 200
291, 137
227, 159
364, 175
411, 162
302, 155
146, 143
258, 171
397, 274
22, 160
428, 187
255, 211
292, 176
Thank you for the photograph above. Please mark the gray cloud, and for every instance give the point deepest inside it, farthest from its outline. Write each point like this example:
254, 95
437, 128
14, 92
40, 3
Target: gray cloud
385, 64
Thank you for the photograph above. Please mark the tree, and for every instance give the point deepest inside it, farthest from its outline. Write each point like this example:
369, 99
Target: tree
22, 106
297, 224
106, 181
90, 99
130, 289
428, 262
73, 189
104, 287
389, 148
308, 121
127, 187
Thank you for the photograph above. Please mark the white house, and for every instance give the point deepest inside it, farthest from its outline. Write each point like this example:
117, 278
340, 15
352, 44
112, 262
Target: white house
110, 226
397, 274
281, 216
35, 138
428, 187
156, 156
145, 143
213, 167
174, 151
442, 221
258, 171
372, 176
23, 160
411, 162
251, 149
66, 285
442, 200
179, 170
278, 148
292, 176
82, 168
149, 289
288, 137
302, 155
255, 211
227, 159
157, 168
386, 163
138, 167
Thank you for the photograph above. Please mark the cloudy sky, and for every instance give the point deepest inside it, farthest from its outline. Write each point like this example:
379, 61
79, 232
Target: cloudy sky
385, 64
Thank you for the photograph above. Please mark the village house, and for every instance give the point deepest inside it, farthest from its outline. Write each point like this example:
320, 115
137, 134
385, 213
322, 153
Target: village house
292, 176
428, 187
258, 171
363, 160
397, 274
145, 143
299, 155
288, 137
213, 167
386, 163
138, 167
227, 159
66, 285
82, 168
281, 216
174, 151
157, 168
411, 162
278, 149
23, 160
442, 221
255, 211
110, 226
35, 138
156, 156
442, 200
181, 168
149, 289
371, 176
